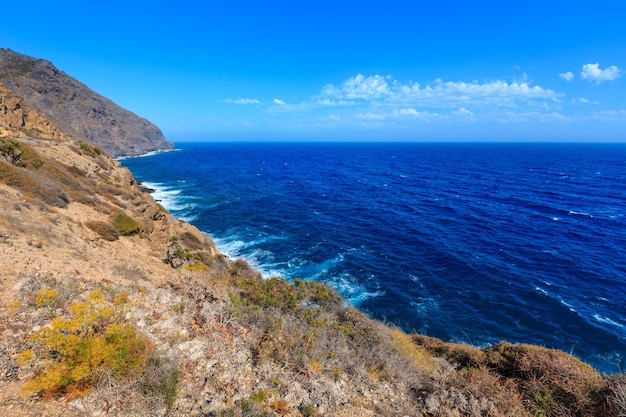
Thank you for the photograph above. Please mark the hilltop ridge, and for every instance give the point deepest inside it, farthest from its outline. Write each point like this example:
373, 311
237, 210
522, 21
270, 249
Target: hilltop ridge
79, 111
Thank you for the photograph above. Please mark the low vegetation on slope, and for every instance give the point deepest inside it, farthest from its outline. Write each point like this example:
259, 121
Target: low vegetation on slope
232, 344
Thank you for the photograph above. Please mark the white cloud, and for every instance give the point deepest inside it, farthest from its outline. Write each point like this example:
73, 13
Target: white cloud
408, 112
359, 87
463, 112
513, 117
397, 114
593, 73
609, 115
381, 101
452, 94
241, 101
372, 116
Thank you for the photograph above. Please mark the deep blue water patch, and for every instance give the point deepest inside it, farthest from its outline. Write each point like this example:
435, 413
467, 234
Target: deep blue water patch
466, 242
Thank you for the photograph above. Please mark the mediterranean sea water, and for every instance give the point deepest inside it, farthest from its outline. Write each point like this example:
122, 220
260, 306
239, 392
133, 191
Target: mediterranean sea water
466, 242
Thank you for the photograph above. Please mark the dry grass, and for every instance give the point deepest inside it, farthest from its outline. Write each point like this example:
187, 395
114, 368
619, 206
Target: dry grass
418, 356
549, 382
105, 230
35, 188
617, 395
129, 272
458, 354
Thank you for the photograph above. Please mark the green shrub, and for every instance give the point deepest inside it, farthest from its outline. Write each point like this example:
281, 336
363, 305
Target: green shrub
10, 151
307, 410
183, 253
126, 225
273, 292
160, 380
277, 292
19, 154
87, 149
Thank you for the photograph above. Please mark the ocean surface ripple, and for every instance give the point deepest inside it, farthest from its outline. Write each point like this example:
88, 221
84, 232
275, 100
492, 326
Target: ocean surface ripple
467, 242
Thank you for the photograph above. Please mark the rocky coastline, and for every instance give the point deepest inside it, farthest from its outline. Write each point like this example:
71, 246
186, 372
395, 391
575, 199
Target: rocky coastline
111, 306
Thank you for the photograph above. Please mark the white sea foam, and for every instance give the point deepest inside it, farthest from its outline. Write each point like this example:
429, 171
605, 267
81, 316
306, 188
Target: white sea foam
580, 213
264, 261
425, 306
351, 290
417, 281
568, 305
607, 320
143, 155
231, 246
313, 271
170, 198
260, 259
541, 290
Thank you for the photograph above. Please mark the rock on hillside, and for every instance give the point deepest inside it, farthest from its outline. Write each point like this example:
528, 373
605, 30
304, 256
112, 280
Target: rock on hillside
84, 114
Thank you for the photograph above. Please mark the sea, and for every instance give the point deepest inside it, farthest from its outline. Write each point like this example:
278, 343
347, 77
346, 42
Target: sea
467, 242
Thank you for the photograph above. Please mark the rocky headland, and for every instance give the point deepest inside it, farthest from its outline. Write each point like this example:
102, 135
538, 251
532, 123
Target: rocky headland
110, 306
76, 109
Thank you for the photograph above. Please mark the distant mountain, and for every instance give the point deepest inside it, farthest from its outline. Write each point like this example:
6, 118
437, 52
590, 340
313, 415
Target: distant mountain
79, 111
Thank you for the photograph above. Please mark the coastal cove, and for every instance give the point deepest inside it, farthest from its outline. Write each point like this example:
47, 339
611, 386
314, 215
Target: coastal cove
474, 243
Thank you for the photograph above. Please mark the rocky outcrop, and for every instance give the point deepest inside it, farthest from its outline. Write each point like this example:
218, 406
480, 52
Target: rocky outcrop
77, 110
19, 119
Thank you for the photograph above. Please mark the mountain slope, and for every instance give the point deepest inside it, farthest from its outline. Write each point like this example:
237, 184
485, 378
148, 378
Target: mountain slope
76, 109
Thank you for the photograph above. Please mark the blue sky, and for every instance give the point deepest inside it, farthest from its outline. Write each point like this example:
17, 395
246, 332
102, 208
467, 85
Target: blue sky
332, 70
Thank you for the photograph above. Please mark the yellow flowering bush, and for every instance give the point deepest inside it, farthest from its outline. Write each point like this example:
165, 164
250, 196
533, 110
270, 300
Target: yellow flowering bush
71, 353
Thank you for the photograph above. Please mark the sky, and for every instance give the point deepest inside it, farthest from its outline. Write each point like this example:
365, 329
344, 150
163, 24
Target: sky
344, 70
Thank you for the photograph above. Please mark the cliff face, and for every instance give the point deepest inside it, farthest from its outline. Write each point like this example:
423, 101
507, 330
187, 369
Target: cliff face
76, 109
20, 120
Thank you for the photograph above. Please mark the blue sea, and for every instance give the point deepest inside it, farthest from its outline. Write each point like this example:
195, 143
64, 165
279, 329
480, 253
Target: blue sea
467, 242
